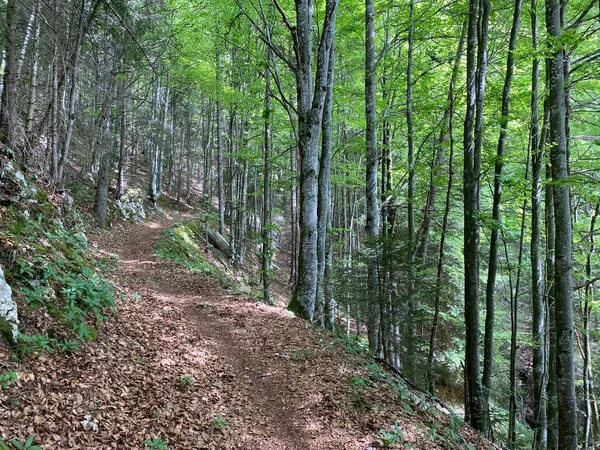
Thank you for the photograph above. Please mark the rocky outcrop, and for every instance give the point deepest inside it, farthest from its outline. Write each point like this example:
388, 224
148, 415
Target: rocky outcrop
9, 319
131, 205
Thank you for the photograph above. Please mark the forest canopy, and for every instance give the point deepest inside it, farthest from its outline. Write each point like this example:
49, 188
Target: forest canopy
422, 173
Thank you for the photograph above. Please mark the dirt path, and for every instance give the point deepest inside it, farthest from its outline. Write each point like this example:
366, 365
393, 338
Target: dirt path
191, 355
185, 362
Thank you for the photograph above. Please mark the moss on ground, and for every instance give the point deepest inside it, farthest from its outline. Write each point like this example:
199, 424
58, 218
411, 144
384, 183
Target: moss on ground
184, 243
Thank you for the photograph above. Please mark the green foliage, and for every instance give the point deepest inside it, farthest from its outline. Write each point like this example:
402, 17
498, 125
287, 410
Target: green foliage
219, 422
8, 378
392, 437
301, 354
29, 344
27, 445
157, 444
352, 344
187, 380
55, 270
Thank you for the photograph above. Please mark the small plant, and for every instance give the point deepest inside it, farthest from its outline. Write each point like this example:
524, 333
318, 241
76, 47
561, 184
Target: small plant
301, 354
359, 386
28, 344
187, 380
219, 422
67, 346
157, 444
392, 437
357, 382
27, 445
8, 378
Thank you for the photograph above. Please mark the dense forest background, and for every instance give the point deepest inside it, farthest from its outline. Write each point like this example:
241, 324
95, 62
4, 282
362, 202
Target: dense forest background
424, 172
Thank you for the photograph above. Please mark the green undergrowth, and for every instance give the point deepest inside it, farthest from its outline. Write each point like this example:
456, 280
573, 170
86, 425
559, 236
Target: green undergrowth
367, 378
185, 244
54, 276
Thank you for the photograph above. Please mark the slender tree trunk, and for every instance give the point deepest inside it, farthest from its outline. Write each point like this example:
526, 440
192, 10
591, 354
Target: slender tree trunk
34, 81
220, 182
488, 352
514, 329
537, 276
72, 94
266, 225
410, 324
550, 307
122, 177
372, 225
440, 264
591, 419
55, 118
565, 376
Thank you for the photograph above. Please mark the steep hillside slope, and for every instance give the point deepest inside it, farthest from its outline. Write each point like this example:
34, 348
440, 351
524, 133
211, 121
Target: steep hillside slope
187, 365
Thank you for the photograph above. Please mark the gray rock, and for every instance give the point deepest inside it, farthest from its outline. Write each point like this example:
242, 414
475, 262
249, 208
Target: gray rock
8, 308
82, 237
131, 205
67, 202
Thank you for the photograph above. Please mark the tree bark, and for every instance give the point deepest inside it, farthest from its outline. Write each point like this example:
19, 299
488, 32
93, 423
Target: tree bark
324, 200
540, 441
266, 216
565, 377
310, 101
372, 200
472, 143
488, 348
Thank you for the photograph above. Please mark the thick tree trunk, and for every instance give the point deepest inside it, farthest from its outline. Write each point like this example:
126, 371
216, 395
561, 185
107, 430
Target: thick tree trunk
11, 128
324, 200
565, 376
310, 101
475, 407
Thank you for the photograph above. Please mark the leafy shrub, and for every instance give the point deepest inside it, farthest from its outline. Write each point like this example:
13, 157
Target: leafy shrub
8, 378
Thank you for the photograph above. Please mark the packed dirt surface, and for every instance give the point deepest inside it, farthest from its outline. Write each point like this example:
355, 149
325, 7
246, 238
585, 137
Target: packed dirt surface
185, 363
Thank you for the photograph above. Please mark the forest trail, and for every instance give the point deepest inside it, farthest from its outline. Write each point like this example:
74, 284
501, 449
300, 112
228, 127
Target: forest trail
185, 362
210, 357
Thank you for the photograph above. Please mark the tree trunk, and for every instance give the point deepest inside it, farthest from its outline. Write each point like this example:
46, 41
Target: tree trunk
488, 349
266, 216
324, 200
72, 94
310, 101
474, 407
446, 130
372, 207
540, 441
565, 377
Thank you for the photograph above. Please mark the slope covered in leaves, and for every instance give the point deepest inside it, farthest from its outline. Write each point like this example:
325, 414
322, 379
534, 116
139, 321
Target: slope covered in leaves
185, 365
